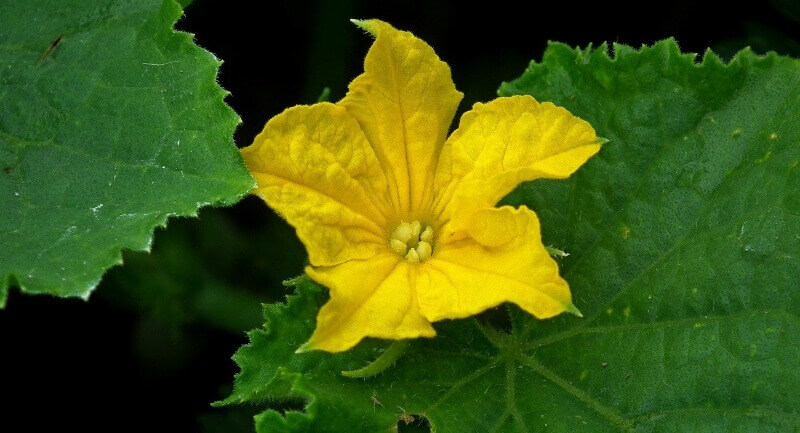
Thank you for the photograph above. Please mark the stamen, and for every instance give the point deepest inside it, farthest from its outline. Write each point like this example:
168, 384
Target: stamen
414, 241
416, 228
403, 232
424, 250
412, 256
398, 246
426, 235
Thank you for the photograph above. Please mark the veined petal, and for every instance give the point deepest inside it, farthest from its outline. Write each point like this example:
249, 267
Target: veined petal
316, 169
502, 143
404, 101
502, 260
369, 298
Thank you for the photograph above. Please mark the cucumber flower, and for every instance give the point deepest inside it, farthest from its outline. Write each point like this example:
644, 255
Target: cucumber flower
399, 220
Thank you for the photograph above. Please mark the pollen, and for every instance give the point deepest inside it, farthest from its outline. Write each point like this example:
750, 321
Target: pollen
412, 241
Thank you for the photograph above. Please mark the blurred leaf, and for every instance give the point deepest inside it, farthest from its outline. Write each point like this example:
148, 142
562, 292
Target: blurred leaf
110, 122
761, 39
206, 271
789, 8
683, 234
232, 420
325, 95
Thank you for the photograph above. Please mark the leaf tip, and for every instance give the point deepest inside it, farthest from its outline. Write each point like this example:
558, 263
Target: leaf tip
294, 282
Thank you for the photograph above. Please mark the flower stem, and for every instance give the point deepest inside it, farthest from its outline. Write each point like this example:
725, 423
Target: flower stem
395, 351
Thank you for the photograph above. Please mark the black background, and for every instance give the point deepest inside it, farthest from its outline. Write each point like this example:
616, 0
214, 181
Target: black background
107, 365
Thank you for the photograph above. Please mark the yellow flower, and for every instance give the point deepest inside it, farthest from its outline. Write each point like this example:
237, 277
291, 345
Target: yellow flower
398, 219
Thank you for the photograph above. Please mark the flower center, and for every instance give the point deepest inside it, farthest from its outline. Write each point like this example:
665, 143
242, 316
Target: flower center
412, 240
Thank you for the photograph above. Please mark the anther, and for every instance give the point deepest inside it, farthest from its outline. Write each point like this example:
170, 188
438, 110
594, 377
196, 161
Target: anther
412, 256
414, 241
426, 235
416, 228
403, 232
398, 246
424, 251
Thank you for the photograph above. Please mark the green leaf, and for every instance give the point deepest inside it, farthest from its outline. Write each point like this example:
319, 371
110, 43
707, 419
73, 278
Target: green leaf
193, 274
683, 242
110, 122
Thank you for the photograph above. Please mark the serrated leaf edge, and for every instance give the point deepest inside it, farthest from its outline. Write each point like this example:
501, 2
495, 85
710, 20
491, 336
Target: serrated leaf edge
11, 279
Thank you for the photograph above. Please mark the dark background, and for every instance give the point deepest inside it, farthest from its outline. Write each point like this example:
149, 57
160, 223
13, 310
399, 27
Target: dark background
152, 347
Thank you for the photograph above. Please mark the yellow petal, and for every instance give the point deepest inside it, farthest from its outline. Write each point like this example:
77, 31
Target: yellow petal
316, 169
502, 260
502, 143
369, 298
404, 101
